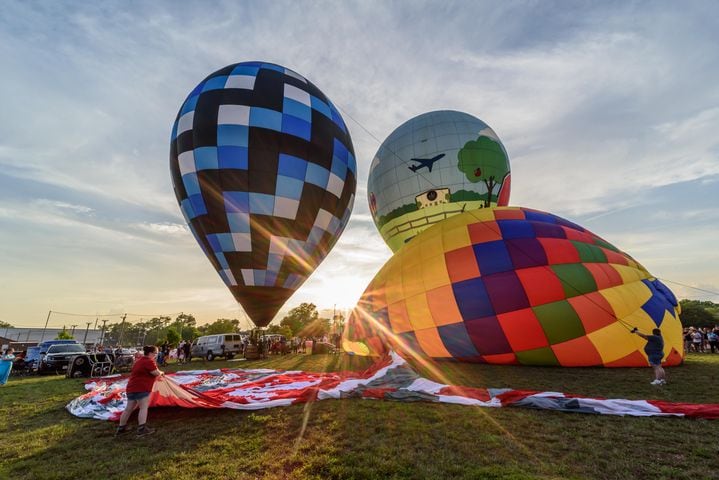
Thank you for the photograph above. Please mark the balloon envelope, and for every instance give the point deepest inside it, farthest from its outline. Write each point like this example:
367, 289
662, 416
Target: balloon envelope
431, 167
512, 285
264, 171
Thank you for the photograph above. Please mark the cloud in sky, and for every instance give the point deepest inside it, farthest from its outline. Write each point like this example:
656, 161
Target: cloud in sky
608, 112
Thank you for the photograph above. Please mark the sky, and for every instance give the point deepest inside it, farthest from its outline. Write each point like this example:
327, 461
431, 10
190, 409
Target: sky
608, 111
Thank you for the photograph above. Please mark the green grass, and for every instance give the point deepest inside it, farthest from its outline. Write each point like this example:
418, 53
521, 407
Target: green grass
366, 439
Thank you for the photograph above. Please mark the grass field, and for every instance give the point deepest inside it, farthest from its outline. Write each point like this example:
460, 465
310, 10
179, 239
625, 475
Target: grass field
366, 439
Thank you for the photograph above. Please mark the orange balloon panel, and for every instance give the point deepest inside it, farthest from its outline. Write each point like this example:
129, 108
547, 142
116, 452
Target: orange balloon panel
511, 285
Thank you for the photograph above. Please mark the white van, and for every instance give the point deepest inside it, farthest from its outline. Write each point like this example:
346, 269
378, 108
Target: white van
223, 345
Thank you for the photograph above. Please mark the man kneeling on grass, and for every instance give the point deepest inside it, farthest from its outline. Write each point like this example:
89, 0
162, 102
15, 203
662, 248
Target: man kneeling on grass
142, 378
655, 351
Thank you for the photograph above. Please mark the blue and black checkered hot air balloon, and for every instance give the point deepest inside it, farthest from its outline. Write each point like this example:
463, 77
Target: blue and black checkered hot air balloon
264, 171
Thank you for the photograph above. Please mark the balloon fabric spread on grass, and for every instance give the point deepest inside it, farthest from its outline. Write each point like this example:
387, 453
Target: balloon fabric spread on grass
432, 167
511, 285
264, 171
391, 378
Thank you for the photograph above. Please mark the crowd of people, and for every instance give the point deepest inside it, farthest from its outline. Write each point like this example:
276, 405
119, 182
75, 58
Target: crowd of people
701, 340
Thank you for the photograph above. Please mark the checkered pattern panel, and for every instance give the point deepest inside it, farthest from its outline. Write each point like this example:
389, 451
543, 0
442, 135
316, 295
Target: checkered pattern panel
515, 285
264, 170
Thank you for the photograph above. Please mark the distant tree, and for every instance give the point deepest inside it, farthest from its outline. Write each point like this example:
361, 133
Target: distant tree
64, 335
155, 330
316, 328
221, 325
5, 325
280, 329
299, 317
186, 319
173, 336
191, 333
186, 324
696, 313
128, 333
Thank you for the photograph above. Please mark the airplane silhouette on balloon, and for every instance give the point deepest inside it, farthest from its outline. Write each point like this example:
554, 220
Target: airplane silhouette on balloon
424, 162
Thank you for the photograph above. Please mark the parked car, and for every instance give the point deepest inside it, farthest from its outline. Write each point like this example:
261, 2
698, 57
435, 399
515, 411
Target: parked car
32, 358
35, 354
48, 343
124, 358
223, 345
58, 357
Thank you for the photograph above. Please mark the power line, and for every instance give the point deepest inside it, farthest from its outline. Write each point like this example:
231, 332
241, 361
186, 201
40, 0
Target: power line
116, 314
388, 149
689, 286
85, 315
52, 327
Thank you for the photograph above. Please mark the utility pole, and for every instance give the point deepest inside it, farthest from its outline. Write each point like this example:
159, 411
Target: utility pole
102, 335
84, 340
122, 330
95, 327
165, 323
43, 330
333, 328
73, 330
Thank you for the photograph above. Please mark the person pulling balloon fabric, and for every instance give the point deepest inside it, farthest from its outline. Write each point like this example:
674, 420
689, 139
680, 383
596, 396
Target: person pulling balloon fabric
655, 352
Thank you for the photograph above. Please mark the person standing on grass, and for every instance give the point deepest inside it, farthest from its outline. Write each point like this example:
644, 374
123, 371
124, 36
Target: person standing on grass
655, 351
139, 386
713, 339
181, 352
687, 340
186, 349
6, 365
697, 340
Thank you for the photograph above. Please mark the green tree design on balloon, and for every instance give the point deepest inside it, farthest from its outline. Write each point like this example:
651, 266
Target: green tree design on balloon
484, 159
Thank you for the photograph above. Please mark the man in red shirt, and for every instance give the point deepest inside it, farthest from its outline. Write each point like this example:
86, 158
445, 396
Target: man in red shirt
139, 386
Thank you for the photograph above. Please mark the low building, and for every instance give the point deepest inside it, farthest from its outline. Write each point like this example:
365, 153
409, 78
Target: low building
21, 338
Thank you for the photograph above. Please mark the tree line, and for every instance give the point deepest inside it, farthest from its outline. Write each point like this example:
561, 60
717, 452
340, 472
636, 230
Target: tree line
699, 313
301, 321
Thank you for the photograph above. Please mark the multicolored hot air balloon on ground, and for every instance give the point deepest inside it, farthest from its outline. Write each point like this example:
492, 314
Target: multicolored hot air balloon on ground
264, 171
432, 167
510, 285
